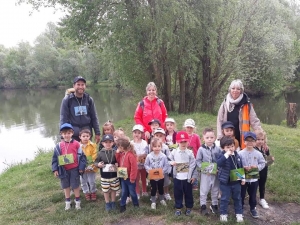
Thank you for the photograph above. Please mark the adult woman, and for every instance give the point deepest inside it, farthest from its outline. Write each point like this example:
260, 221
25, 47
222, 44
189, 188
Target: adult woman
237, 108
151, 107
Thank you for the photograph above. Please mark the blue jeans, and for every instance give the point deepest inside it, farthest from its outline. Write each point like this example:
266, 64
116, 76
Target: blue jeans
128, 188
183, 188
231, 191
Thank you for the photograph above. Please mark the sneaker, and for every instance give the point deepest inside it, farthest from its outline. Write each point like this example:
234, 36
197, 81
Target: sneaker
195, 188
87, 196
153, 205
128, 200
163, 202
223, 218
145, 194
93, 196
122, 208
204, 210
107, 206
239, 218
214, 209
113, 205
138, 196
177, 212
168, 197
188, 212
264, 203
77, 205
68, 205
253, 213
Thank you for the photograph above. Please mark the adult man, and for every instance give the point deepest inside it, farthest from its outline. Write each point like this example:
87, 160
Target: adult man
79, 109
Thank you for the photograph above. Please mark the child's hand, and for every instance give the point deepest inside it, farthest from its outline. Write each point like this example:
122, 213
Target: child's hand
147, 135
273, 158
101, 164
253, 166
173, 163
247, 168
132, 181
80, 172
192, 180
243, 182
55, 173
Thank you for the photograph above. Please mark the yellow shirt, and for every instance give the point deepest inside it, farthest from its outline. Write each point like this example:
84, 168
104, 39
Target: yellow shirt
90, 150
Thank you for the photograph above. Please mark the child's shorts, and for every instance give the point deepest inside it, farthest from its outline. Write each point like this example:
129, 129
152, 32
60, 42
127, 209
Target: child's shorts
110, 184
71, 180
167, 181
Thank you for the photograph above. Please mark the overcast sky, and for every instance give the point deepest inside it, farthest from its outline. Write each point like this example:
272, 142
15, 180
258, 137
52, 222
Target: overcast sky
16, 24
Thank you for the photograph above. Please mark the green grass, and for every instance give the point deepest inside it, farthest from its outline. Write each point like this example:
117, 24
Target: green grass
30, 194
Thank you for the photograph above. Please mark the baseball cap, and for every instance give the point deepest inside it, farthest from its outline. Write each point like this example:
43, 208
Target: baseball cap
138, 127
78, 78
154, 121
227, 124
107, 137
189, 123
66, 126
169, 120
182, 136
159, 130
250, 134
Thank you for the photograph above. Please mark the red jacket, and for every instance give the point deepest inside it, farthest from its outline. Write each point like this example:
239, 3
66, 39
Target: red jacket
129, 162
152, 110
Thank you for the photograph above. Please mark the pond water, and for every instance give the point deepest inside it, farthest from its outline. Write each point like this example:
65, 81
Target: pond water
29, 119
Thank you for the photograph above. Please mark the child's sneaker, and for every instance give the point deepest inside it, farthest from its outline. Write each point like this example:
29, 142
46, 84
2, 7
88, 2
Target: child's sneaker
223, 218
122, 208
93, 196
138, 196
167, 197
239, 218
68, 205
128, 200
264, 203
77, 205
204, 210
107, 206
177, 212
153, 205
163, 202
188, 212
214, 209
145, 194
253, 213
113, 205
87, 196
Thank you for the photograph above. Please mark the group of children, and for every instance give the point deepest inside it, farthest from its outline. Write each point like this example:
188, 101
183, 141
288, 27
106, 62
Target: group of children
124, 164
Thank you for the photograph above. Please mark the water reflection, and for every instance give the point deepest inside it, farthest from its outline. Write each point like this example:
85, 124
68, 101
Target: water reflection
30, 118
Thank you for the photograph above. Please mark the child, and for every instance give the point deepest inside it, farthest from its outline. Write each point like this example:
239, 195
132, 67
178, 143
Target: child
206, 160
228, 130
106, 161
160, 134
119, 133
68, 162
157, 160
139, 147
194, 142
263, 174
252, 161
107, 128
154, 124
184, 173
126, 159
88, 183
170, 131
227, 161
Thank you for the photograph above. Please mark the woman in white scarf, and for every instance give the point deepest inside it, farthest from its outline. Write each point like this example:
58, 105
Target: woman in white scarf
231, 110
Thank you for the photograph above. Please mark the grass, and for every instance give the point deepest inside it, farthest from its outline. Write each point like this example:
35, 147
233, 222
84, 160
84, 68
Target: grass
30, 194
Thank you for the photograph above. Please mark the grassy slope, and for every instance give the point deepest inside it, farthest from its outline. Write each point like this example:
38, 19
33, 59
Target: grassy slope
29, 194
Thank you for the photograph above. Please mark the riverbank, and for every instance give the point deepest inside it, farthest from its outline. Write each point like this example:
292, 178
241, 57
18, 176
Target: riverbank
30, 194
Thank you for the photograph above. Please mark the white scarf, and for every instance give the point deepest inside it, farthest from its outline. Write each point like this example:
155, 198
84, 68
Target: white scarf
230, 102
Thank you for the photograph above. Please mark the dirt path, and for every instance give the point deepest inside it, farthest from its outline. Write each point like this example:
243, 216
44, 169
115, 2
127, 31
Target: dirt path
278, 213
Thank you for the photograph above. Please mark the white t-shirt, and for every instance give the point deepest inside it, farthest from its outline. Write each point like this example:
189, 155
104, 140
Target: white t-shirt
140, 147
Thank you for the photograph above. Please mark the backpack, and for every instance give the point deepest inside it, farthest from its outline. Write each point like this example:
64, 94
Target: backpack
142, 104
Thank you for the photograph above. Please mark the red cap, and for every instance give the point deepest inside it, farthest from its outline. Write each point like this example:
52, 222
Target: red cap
182, 136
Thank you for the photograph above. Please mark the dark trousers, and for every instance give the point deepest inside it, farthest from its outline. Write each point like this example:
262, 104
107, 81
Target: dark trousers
263, 174
231, 190
157, 185
251, 188
183, 188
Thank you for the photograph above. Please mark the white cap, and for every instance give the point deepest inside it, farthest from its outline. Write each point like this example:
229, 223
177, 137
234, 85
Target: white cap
189, 123
170, 120
159, 130
138, 127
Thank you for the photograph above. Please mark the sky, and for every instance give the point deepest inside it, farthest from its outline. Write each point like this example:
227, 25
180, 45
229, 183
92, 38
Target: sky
17, 25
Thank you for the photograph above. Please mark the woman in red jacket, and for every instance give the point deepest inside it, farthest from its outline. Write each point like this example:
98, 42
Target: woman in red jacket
151, 107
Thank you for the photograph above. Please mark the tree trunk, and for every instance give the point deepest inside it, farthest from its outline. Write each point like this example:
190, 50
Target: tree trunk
291, 117
181, 77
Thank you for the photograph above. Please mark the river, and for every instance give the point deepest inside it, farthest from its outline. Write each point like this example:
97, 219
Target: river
29, 119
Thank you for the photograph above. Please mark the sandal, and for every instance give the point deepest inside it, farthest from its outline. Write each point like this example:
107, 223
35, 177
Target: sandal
88, 196
93, 196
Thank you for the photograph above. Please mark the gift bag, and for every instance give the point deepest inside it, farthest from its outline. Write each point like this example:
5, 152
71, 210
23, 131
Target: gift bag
65, 159
155, 174
122, 172
253, 173
237, 174
208, 168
